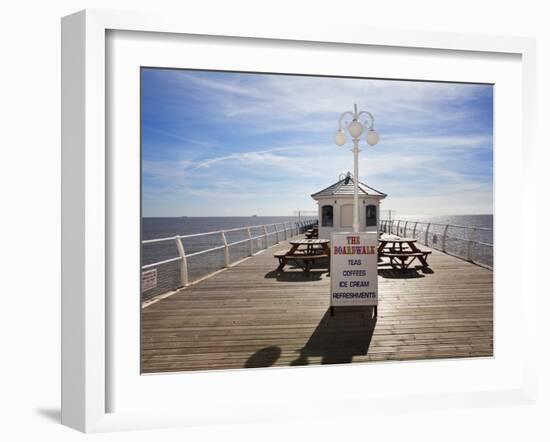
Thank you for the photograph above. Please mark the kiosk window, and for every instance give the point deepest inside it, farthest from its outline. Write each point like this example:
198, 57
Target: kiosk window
371, 215
326, 216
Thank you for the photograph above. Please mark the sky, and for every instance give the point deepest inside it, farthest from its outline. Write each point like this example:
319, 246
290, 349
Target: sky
239, 144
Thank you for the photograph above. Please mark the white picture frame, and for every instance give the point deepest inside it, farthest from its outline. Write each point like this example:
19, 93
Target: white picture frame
86, 206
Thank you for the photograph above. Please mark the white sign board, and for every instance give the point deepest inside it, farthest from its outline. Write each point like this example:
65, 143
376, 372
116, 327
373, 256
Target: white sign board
148, 280
354, 269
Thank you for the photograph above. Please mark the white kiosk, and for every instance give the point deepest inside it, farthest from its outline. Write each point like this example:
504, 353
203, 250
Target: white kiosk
353, 267
336, 207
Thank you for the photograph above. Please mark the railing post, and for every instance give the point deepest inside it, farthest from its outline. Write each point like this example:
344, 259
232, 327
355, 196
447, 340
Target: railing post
426, 236
398, 221
276, 233
470, 244
225, 250
184, 275
266, 238
444, 237
405, 232
251, 247
414, 229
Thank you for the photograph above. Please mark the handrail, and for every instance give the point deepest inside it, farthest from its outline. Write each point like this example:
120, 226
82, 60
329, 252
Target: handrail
439, 224
289, 228
166, 261
388, 226
385, 222
212, 249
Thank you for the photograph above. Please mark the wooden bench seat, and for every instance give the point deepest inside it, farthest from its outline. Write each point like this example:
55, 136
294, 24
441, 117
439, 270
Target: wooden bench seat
302, 260
280, 253
305, 257
399, 259
401, 254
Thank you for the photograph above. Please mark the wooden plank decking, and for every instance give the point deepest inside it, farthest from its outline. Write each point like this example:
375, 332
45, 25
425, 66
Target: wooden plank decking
252, 316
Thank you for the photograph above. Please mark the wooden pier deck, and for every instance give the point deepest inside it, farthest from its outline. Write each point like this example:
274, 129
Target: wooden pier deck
251, 316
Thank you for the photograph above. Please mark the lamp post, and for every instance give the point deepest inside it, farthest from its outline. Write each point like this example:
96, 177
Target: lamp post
355, 129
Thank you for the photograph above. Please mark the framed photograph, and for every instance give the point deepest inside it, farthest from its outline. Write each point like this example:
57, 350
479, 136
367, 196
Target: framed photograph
254, 214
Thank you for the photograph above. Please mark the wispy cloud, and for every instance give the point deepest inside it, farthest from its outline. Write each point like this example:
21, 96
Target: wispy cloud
231, 142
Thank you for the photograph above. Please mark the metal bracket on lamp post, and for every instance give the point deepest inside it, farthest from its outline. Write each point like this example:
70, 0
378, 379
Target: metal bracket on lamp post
355, 128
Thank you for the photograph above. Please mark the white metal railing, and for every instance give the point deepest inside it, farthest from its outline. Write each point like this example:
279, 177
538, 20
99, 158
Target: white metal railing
405, 228
281, 231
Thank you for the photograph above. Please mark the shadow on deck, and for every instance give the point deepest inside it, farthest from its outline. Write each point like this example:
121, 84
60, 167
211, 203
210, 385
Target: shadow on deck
251, 315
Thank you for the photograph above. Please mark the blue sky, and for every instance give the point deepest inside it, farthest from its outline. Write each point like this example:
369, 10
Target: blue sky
237, 144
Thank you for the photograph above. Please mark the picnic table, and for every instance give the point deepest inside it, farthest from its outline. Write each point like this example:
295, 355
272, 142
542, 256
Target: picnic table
312, 233
304, 252
401, 251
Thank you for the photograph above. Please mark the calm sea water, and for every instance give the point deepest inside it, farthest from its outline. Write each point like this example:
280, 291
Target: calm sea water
203, 264
166, 227
153, 228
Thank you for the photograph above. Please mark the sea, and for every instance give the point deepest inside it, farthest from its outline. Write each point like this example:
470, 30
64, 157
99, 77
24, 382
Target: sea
186, 225
201, 265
